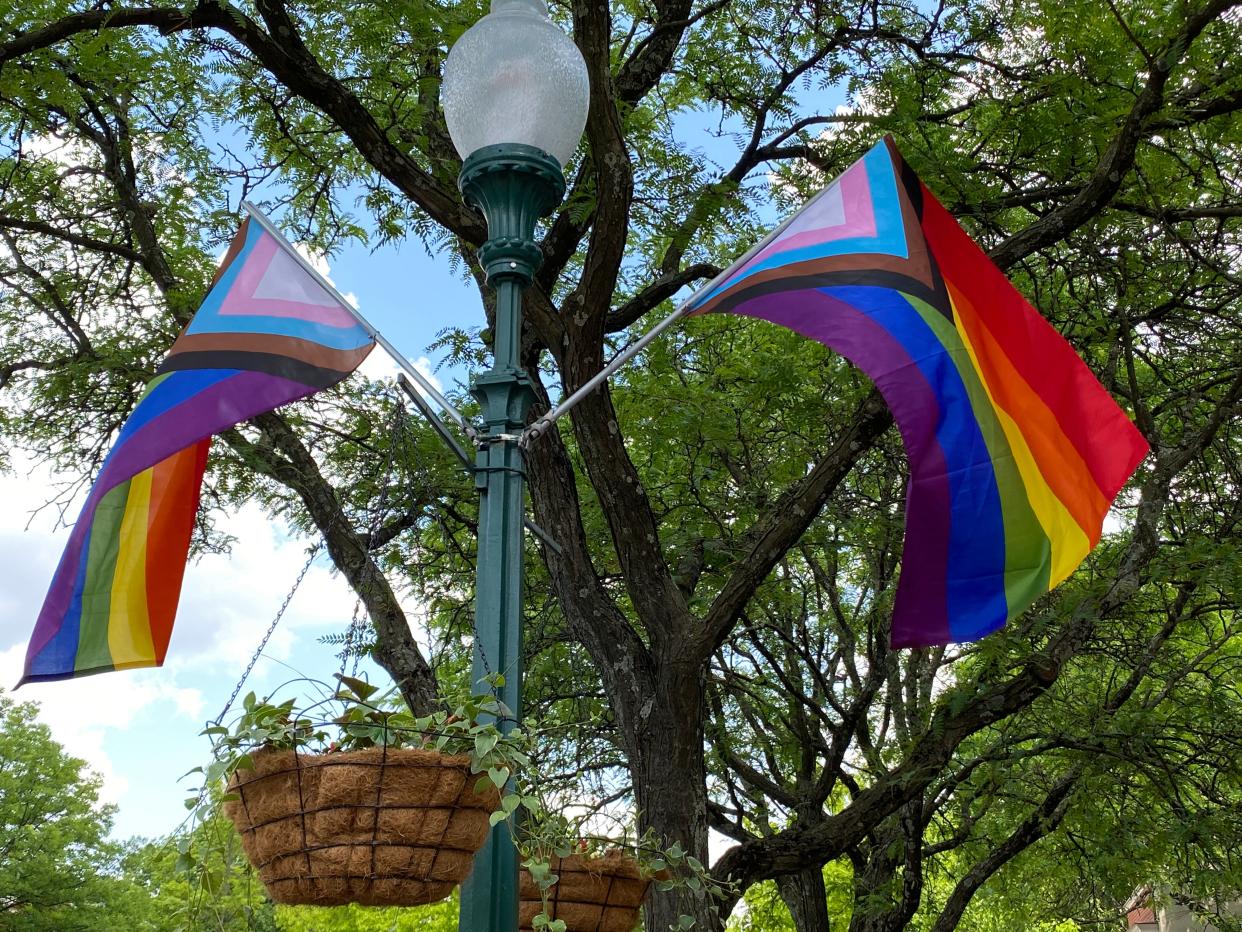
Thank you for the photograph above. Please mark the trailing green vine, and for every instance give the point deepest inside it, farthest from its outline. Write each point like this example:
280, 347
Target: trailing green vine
356, 715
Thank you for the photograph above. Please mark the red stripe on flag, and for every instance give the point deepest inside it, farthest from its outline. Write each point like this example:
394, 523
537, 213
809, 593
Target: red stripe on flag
175, 486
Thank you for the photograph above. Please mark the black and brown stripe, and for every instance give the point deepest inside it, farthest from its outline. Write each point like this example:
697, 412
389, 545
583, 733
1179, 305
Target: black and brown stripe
310, 363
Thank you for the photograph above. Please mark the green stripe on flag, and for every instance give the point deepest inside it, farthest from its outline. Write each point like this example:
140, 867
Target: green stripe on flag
93, 651
1028, 552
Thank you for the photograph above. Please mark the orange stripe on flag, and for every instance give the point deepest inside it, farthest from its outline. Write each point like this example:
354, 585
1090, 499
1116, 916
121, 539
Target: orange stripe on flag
174, 503
1060, 465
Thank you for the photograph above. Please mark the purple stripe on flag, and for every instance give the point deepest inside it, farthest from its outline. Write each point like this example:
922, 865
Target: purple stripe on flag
215, 409
920, 615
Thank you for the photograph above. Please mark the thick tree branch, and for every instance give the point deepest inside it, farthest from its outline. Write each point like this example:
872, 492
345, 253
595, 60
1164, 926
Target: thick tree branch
789, 517
287, 460
1042, 821
74, 239
954, 719
623, 660
614, 189
664, 287
288, 60
1119, 156
652, 57
1189, 113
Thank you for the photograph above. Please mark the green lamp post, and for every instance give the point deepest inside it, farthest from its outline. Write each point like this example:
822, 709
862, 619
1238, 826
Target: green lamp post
515, 98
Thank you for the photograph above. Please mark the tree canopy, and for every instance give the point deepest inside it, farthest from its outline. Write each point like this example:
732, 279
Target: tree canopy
58, 869
711, 629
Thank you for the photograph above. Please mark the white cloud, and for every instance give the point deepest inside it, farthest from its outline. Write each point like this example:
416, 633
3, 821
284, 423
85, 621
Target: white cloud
229, 600
66, 151
319, 262
380, 366
81, 712
227, 603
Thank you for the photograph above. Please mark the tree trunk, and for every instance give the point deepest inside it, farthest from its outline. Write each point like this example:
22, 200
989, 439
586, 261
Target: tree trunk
806, 899
670, 789
395, 650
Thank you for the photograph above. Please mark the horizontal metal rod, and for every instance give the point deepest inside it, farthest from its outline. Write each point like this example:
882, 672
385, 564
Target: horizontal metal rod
540, 425
404, 364
543, 536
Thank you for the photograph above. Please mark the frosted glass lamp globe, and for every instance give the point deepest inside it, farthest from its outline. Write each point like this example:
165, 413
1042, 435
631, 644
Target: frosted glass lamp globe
513, 77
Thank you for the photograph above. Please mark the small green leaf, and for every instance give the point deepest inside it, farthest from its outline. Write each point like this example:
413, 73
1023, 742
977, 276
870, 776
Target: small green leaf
360, 688
484, 743
212, 882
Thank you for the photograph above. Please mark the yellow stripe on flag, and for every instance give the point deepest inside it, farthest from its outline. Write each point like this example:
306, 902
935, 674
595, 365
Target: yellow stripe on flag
129, 627
1069, 541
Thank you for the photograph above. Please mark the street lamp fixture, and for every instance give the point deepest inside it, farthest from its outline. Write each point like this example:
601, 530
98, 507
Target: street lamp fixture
515, 95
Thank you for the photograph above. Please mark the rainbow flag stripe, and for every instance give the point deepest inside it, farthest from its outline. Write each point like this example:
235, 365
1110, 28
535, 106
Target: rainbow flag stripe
267, 334
1016, 451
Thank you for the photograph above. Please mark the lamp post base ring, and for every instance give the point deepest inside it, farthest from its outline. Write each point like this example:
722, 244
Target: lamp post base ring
513, 185
506, 255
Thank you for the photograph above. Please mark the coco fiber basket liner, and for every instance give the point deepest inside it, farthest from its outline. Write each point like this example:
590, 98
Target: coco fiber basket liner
380, 827
592, 894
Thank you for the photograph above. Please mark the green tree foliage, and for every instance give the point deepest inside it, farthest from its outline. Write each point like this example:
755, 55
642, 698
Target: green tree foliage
710, 635
58, 870
199, 881
438, 917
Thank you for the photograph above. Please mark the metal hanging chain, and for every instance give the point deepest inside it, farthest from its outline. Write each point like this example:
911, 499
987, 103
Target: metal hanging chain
397, 435
270, 629
352, 635
354, 632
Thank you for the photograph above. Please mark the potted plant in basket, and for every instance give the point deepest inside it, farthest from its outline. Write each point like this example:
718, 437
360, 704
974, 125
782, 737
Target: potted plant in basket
575, 881
355, 801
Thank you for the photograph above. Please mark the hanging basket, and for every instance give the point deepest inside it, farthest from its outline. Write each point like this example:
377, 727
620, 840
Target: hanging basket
379, 827
591, 894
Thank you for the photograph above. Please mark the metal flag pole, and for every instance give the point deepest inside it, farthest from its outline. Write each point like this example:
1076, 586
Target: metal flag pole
540, 425
423, 382
437, 425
